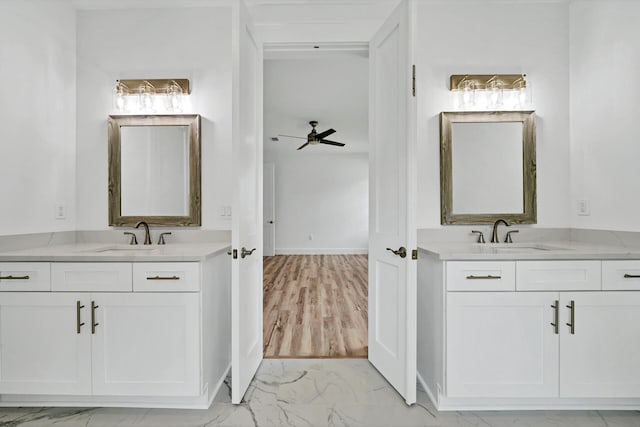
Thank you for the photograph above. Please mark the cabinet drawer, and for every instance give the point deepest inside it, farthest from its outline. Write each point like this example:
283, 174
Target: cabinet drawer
558, 276
621, 275
25, 276
91, 277
481, 276
166, 277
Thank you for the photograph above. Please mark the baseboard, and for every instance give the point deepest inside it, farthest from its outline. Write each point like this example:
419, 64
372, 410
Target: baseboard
322, 251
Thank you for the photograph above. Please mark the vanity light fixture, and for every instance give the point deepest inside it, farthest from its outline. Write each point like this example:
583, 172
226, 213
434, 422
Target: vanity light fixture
490, 92
150, 95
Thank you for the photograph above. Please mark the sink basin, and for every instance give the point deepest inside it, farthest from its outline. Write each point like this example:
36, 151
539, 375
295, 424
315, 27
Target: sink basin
520, 247
124, 249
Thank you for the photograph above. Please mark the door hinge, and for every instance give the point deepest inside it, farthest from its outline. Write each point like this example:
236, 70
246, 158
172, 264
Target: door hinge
414, 254
413, 80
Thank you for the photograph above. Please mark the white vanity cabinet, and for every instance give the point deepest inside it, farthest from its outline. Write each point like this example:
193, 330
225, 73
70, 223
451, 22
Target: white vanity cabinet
552, 338
40, 349
501, 344
147, 333
602, 357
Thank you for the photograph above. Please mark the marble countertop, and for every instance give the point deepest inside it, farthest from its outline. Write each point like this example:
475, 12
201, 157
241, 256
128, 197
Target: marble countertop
105, 252
548, 250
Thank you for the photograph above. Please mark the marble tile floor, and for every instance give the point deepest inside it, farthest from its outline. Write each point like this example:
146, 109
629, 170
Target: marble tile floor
312, 392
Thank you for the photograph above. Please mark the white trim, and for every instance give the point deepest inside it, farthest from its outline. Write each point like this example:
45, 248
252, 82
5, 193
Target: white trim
322, 251
552, 403
427, 390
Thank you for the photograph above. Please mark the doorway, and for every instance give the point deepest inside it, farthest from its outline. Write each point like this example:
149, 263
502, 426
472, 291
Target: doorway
316, 205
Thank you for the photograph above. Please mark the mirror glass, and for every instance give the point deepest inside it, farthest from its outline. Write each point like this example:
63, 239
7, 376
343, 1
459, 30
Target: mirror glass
154, 170
487, 167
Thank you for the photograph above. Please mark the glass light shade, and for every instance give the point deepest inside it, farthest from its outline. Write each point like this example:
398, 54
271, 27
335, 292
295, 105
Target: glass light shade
146, 92
174, 97
120, 94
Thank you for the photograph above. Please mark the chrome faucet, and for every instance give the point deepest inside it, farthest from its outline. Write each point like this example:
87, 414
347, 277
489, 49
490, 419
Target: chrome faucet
494, 235
147, 235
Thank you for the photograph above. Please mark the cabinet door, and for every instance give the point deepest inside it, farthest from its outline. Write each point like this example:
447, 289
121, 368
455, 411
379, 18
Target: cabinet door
601, 358
501, 344
41, 351
146, 344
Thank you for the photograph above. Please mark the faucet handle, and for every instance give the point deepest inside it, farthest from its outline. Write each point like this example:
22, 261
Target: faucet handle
507, 238
161, 238
133, 240
480, 236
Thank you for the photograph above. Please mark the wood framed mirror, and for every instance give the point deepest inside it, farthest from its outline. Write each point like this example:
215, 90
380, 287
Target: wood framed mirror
154, 170
488, 167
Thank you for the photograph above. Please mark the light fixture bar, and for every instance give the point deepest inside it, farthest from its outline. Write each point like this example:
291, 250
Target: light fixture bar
159, 85
480, 81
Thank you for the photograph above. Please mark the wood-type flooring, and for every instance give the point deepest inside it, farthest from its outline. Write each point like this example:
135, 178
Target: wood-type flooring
315, 306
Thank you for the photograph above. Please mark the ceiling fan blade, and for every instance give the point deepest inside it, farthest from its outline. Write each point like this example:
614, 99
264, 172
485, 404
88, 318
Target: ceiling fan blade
291, 136
326, 141
303, 145
325, 133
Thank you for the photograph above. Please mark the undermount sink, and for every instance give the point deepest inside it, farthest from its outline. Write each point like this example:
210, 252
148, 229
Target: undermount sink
520, 247
124, 249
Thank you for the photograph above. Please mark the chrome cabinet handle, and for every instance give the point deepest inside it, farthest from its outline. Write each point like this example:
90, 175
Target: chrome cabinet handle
556, 314
163, 278
488, 276
10, 277
244, 252
79, 324
632, 276
401, 252
93, 317
572, 316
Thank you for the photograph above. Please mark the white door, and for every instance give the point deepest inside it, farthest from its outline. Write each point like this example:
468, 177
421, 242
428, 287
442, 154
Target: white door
44, 348
145, 344
600, 358
246, 228
269, 210
502, 344
392, 279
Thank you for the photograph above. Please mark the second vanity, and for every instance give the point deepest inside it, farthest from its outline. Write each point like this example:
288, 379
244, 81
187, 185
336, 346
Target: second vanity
529, 326
114, 325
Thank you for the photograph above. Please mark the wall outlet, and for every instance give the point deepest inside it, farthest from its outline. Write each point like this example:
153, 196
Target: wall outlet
60, 212
310, 236
584, 207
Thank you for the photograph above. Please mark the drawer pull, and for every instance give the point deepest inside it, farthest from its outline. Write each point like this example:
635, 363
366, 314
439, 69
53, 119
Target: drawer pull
556, 314
572, 315
14, 277
632, 276
489, 276
79, 324
93, 317
163, 278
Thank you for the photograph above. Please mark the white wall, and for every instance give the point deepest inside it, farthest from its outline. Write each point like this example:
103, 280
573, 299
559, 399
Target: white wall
605, 109
496, 37
38, 115
192, 42
324, 195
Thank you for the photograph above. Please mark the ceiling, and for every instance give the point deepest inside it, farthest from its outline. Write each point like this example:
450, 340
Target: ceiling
330, 89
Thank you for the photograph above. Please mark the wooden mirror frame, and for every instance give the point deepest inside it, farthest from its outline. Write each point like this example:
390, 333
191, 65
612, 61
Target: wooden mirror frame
115, 191
528, 120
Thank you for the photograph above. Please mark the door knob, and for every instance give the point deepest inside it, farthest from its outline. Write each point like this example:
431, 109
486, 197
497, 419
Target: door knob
245, 253
401, 252
270, 222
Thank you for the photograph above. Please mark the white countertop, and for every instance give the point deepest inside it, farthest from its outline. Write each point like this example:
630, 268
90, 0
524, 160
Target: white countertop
527, 251
105, 252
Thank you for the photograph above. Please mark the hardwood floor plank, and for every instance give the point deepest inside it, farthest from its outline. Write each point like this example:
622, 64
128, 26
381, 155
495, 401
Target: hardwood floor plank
315, 306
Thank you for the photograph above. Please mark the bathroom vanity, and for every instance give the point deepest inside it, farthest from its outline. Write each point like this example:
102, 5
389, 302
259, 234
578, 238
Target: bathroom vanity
114, 325
529, 326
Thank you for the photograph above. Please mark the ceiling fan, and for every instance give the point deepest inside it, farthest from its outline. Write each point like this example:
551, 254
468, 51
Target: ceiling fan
314, 137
